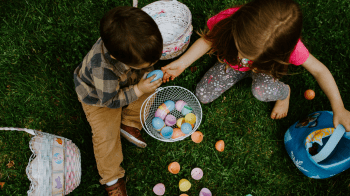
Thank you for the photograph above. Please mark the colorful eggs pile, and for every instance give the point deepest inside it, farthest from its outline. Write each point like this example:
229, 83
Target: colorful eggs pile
164, 121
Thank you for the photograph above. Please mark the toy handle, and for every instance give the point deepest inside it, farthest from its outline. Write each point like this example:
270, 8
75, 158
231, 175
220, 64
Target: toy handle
135, 2
330, 145
30, 131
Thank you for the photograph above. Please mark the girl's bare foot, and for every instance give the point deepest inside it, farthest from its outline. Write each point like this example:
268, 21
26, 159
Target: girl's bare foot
281, 108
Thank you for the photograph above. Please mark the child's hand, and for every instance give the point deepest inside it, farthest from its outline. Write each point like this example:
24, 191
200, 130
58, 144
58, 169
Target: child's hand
146, 86
342, 117
172, 70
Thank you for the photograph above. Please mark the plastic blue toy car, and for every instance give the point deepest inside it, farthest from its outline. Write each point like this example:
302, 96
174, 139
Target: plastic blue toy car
317, 148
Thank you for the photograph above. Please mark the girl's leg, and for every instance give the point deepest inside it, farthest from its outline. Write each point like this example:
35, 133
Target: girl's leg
216, 81
266, 88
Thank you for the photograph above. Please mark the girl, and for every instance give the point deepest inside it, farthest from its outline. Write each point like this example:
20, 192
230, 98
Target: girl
259, 40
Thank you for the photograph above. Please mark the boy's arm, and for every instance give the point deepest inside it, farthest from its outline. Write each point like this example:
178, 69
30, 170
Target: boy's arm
330, 88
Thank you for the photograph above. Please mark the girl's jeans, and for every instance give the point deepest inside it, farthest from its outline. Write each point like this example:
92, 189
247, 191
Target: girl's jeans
216, 81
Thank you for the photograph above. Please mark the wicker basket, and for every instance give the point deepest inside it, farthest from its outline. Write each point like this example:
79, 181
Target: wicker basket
174, 93
174, 21
54, 167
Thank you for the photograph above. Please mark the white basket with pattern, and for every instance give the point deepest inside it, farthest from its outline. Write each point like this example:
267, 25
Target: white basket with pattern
54, 168
162, 94
174, 21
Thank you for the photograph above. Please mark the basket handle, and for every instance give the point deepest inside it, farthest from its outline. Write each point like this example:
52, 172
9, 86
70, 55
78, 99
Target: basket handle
30, 131
330, 145
135, 2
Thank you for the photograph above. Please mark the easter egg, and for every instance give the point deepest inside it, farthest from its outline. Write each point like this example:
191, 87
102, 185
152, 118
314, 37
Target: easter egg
190, 118
177, 133
160, 113
183, 194
197, 173
187, 109
174, 167
197, 137
220, 145
180, 121
184, 185
170, 105
186, 128
170, 120
179, 105
309, 94
205, 192
159, 189
167, 132
158, 123
159, 74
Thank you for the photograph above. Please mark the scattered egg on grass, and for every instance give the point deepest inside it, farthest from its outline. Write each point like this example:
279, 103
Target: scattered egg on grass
174, 167
159, 189
183, 194
184, 185
309, 94
197, 173
220, 145
205, 192
197, 137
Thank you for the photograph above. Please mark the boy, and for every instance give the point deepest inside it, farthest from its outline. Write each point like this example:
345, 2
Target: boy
111, 87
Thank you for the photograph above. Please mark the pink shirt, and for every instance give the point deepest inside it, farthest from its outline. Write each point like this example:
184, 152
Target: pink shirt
297, 57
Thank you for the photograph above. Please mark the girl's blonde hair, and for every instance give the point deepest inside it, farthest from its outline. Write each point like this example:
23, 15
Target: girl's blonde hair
265, 30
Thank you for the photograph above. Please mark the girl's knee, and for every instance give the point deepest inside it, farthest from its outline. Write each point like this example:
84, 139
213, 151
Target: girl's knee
259, 94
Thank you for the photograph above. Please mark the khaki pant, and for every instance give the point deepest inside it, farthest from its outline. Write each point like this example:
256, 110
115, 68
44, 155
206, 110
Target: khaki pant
105, 124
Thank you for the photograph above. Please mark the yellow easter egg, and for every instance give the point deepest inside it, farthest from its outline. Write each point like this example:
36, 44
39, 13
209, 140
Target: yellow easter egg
190, 118
180, 121
184, 185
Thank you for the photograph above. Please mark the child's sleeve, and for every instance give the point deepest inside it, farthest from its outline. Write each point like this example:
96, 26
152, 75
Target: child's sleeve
108, 89
222, 15
299, 55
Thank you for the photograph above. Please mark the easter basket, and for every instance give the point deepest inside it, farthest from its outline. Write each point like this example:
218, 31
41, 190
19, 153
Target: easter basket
174, 21
162, 94
316, 148
54, 168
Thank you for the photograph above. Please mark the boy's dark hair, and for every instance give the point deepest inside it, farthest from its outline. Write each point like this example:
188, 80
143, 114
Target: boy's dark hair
131, 36
266, 30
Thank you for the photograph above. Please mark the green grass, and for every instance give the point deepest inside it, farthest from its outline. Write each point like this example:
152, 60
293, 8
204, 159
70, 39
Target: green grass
42, 42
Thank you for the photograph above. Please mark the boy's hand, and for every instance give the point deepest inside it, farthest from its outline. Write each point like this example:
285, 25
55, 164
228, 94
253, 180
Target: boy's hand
146, 86
172, 70
342, 117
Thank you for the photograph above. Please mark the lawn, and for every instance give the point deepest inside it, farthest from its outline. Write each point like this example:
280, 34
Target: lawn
42, 42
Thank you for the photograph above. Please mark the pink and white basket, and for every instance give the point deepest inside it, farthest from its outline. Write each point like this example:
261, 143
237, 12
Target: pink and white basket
54, 168
174, 21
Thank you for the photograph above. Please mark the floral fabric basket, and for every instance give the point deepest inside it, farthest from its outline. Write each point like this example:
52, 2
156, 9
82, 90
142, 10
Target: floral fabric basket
174, 21
54, 168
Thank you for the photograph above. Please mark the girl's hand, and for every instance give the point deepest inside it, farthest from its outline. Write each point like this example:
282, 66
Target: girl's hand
172, 70
146, 86
342, 117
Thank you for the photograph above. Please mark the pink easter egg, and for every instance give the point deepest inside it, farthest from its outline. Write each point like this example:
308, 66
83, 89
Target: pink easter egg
179, 105
160, 113
159, 189
170, 120
205, 192
197, 173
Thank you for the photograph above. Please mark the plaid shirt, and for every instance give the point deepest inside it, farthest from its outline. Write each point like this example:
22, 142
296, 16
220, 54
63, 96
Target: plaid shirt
105, 82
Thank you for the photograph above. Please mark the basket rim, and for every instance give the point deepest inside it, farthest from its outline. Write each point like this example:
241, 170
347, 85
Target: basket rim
159, 89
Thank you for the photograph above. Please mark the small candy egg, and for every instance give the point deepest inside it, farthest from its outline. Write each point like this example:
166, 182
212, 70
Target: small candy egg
197, 173
177, 133
190, 118
220, 145
184, 185
309, 94
179, 105
197, 137
205, 192
183, 194
180, 121
186, 128
159, 74
160, 113
170, 105
187, 109
164, 107
167, 132
174, 167
159, 189
170, 120
158, 123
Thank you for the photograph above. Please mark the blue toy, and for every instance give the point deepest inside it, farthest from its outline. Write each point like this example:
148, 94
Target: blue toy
167, 132
317, 148
186, 128
159, 74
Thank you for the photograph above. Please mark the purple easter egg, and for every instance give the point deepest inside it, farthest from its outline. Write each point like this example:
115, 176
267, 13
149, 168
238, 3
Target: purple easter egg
159, 189
205, 192
170, 120
160, 113
197, 173
179, 105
